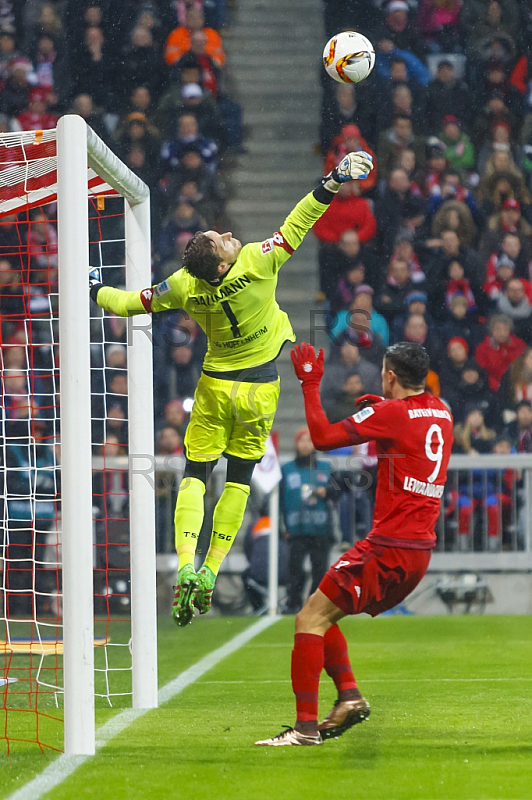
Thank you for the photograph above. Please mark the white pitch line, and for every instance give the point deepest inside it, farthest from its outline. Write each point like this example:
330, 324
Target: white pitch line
63, 766
387, 680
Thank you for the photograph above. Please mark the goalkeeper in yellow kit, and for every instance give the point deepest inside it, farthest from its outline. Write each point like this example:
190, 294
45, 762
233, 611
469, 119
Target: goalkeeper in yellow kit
229, 289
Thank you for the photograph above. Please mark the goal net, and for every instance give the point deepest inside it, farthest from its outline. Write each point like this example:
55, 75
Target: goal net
67, 539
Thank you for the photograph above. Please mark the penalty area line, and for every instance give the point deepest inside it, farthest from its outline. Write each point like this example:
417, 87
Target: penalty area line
63, 766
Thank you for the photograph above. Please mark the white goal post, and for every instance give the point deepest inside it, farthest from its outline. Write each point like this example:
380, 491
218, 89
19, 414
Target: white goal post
77, 146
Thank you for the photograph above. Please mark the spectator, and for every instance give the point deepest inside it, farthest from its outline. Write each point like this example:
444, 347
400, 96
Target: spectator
348, 212
197, 56
182, 219
450, 188
142, 63
8, 53
190, 98
520, 431
473, 389
15, 94
140, 100
169, 442
36, 116
392, 298
256, 549
84, 106
188, 135
456, 216
459, 322
362, 301
439, 23
175, 416
30, 509
179, 40
399, 98
453, 363
345, 401
481, 21
347, 105
497, 154
351, 268
459, 285
459, 150
350, 362
398, 29
516, 383
516, 303
478, 490
304, 491
404, 251
136, 131
349, 140
509, 220
95, 71
407, 161
393, 141
499, 349
417, 330
51, 68
508, 262
494, 189
360, 333
397, 209
447, 96
435, 166
473, 436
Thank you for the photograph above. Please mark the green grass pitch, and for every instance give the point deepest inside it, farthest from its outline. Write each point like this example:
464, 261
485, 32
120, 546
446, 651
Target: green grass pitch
451, 720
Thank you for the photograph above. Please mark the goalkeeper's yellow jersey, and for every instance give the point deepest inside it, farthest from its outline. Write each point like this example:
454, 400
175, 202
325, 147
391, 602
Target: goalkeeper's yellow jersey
242, 320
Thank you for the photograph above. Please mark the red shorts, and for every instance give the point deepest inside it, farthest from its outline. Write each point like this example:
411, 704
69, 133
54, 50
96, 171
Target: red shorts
371, 578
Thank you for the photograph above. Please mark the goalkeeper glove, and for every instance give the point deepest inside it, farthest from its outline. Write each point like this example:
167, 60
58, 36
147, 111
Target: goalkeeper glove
308, 367
95, 281
353, 167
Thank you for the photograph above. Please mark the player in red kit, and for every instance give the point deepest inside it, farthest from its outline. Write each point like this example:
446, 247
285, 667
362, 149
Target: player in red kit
414, 435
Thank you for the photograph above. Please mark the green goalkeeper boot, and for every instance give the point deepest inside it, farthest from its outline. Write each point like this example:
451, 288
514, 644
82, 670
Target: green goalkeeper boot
183, 606
203, 594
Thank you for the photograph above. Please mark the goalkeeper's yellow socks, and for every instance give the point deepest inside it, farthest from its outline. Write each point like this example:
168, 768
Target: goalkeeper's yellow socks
228, 516
188, 519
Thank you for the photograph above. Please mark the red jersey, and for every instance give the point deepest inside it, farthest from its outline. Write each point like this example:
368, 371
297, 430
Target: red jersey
414, 438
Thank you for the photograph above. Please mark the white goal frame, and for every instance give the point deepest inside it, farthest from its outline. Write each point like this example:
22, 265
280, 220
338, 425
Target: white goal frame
77, 147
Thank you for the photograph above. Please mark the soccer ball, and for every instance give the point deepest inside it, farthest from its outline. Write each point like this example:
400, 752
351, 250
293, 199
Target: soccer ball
348, 57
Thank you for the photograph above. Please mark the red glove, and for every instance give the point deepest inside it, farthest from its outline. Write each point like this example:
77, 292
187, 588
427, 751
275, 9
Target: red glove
366, 400
308, 367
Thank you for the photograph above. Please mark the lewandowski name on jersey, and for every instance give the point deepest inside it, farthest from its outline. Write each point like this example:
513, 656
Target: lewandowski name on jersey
414, 437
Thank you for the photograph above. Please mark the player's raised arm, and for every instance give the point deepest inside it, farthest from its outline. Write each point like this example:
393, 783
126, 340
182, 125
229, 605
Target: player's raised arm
354, 166
325, 435
162, 297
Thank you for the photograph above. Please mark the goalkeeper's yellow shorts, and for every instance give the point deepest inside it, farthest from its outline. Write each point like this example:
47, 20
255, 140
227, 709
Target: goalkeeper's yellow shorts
230, 417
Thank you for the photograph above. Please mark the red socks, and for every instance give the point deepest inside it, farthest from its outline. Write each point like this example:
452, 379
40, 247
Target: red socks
310, 655
307, 664
336, 661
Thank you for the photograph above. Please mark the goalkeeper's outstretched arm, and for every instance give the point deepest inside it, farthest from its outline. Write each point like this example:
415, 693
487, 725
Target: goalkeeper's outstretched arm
354, 166
164, 296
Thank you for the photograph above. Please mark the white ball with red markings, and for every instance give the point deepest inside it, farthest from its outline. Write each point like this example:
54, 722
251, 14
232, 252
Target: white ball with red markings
348, 57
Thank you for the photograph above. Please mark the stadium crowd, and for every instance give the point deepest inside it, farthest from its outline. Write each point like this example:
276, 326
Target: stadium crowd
148, 77
436, 246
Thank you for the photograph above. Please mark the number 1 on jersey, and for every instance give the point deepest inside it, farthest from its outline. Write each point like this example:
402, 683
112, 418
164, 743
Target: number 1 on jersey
230, 314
